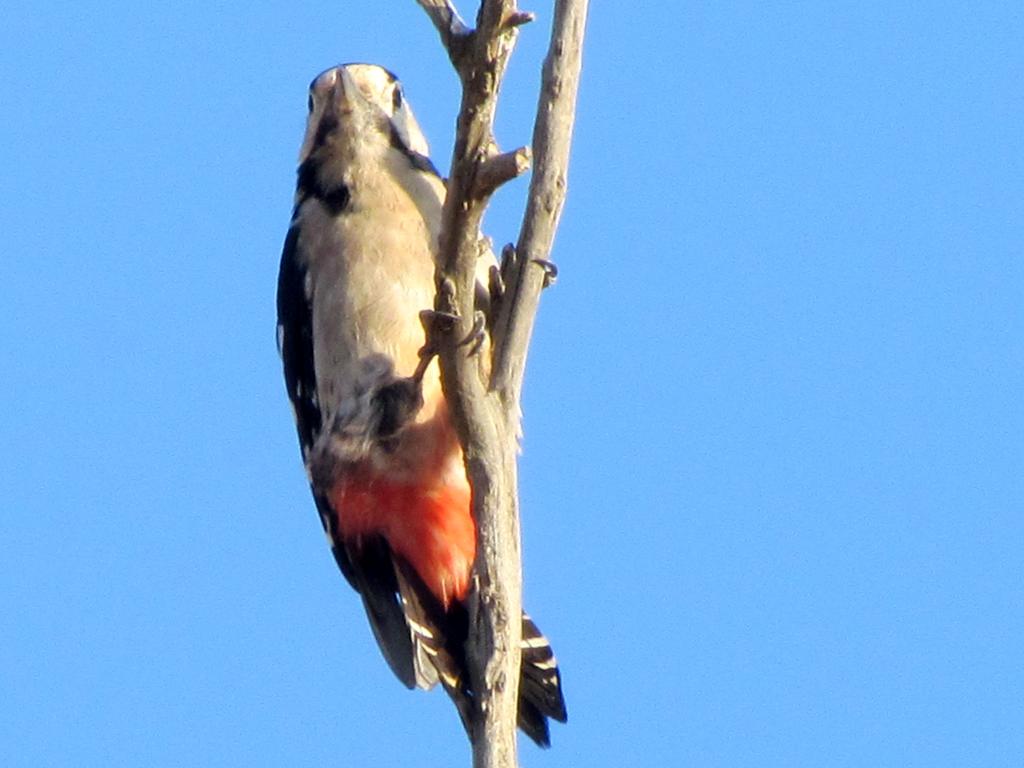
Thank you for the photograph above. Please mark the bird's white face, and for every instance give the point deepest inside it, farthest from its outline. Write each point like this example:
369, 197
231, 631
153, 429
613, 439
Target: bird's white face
360, 107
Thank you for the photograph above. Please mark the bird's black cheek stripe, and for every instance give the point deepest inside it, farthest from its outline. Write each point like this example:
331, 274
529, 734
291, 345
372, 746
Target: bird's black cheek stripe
335, 199
423, 163
307, 174
328, 125
416, 160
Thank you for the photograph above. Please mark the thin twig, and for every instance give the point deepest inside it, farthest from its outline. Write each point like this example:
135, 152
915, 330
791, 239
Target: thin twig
498, 169
552, 140
453, 31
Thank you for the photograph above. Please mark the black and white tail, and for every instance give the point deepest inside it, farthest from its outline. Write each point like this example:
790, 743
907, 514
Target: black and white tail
438, 654
540, 685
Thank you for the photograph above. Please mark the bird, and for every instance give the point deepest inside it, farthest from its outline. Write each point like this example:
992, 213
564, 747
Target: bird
381, 453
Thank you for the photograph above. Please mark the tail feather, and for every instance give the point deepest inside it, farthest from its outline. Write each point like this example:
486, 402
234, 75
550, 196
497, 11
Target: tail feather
371, 572
540, 685
430, 645
533, 723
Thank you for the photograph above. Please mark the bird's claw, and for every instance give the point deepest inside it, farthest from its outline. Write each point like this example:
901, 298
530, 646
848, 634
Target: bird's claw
432, 321
495, 285
509, 261
476, 336
550, 271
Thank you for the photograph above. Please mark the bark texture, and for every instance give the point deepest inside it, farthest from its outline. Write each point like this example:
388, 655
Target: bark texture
483, 394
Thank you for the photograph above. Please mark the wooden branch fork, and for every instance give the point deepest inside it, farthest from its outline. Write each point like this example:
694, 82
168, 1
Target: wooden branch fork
483, 394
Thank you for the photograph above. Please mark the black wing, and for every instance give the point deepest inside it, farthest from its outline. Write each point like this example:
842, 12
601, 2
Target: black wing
295, 340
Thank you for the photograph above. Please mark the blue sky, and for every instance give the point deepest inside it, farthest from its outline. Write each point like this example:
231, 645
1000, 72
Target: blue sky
772, 474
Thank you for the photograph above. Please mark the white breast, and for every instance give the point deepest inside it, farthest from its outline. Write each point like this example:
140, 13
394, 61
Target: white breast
371, 272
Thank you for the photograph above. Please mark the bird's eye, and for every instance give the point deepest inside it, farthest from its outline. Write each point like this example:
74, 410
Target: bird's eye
396, 98
310, 102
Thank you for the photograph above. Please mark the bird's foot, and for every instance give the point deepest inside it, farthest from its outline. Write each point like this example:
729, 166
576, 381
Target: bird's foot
550, 271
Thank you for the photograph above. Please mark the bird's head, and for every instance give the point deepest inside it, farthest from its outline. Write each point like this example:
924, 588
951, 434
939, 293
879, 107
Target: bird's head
358, 111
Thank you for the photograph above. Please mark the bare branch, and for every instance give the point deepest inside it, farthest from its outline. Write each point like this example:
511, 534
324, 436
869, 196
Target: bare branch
454, 33
519, 18
489, 448
498, 169
552, 140
486, 416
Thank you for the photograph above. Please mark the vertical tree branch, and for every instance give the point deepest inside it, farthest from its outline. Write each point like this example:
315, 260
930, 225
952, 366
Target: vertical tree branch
486, 416
496, 603
552, 141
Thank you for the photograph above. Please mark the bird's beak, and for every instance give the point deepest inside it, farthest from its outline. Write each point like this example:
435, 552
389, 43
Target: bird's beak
347, 92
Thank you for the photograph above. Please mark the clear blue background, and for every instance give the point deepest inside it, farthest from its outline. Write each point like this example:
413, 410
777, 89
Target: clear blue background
772, 474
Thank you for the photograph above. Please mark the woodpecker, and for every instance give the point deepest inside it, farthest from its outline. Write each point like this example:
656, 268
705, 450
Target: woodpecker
378, 444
